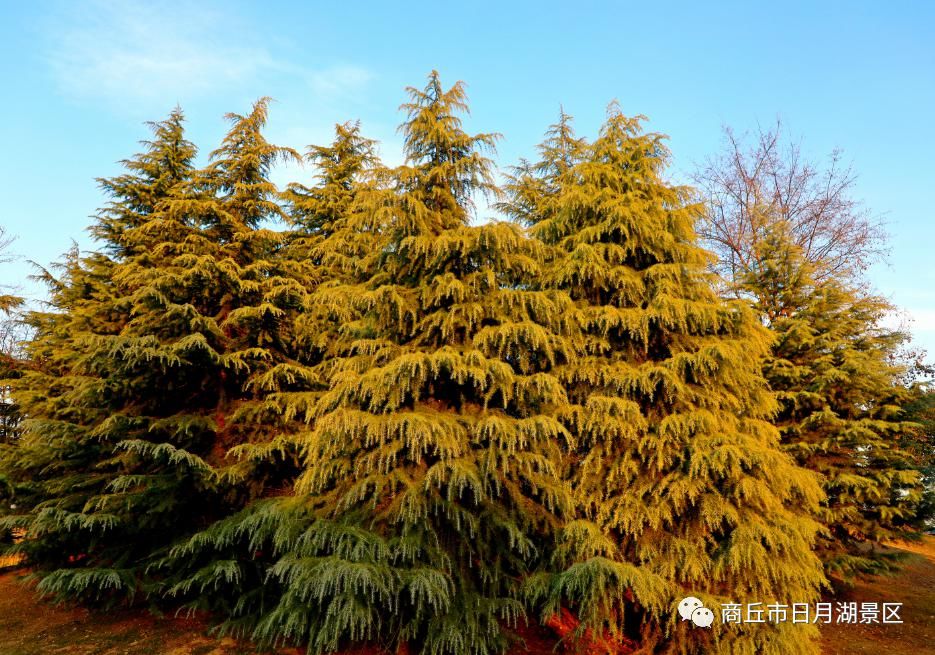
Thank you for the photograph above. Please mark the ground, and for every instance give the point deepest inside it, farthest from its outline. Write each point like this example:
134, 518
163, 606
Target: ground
914, 587
31, 627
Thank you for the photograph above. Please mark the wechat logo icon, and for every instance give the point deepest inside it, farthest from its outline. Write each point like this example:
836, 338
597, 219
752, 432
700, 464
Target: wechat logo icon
692, 609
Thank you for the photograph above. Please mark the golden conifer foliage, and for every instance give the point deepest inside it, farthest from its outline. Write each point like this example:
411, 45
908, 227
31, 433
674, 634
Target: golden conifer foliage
675, 460
841, 412
433, 463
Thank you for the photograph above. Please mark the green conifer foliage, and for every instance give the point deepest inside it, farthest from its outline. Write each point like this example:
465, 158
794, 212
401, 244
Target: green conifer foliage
921, 410
213, 304
320, 251
431, 471
168, 361
46, 469
841, 414
65, 466
675, 459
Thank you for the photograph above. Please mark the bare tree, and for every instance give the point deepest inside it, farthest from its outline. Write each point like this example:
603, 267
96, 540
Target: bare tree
11, 360
7, 302
754, 182
12, 334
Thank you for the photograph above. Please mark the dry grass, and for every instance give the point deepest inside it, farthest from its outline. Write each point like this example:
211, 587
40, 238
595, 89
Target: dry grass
926, 547
914, 587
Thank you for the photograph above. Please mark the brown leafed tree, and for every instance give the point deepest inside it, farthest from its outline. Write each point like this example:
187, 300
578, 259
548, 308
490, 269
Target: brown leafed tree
768, 174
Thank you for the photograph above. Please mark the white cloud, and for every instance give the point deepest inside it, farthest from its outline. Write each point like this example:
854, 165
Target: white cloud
338, 80
128, 53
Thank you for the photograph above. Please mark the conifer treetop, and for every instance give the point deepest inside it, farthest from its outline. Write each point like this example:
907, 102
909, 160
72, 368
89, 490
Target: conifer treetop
240, 167
448, 163
166, 161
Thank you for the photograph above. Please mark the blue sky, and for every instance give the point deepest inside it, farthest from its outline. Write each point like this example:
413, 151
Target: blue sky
79, 78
